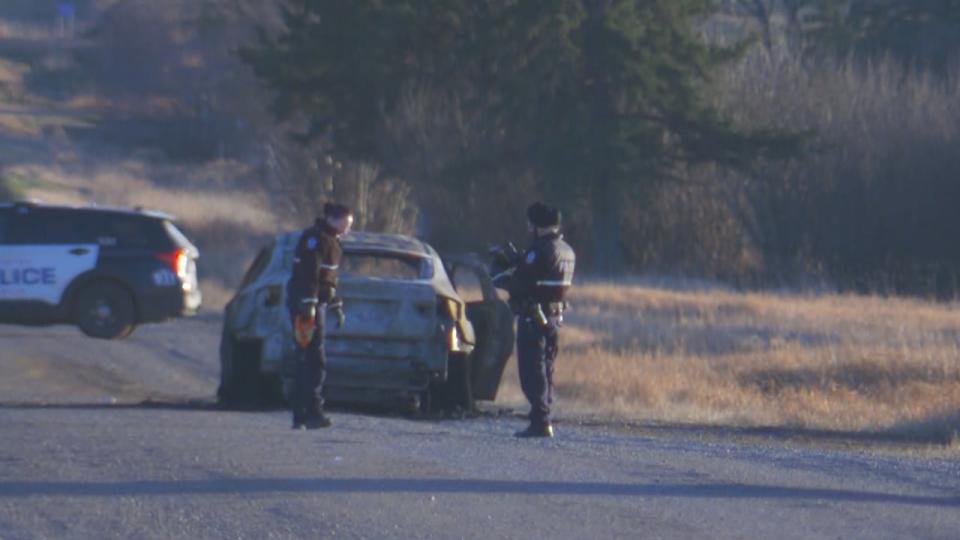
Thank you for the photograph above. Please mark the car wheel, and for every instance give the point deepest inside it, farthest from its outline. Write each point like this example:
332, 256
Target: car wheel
272, 393
225, 392
105, 311
242, 385
426, 401
456, 394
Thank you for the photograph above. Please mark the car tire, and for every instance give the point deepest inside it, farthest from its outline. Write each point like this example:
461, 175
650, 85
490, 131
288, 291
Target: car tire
226, 392
242, 385
455, 395
272, 392
426, 401
105, 311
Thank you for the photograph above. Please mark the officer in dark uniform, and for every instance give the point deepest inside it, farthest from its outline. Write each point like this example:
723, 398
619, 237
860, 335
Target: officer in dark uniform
543, 275
311, 292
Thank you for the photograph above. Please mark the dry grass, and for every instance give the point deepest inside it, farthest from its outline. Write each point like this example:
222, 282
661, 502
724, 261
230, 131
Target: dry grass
824, 362
132, 183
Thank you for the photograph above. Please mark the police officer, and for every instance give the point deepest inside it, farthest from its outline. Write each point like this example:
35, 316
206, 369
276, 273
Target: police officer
311, 292
537, 288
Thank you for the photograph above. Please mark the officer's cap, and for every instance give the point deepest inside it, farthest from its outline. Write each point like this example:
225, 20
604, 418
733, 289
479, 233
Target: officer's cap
543, 216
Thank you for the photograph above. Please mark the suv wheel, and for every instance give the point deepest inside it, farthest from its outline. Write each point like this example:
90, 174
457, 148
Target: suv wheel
105, 311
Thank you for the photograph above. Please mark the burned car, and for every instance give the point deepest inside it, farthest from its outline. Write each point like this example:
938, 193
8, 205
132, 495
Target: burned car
410, 339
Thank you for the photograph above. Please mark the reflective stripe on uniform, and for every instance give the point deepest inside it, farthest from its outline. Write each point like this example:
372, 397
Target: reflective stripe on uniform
549, 283
328, 266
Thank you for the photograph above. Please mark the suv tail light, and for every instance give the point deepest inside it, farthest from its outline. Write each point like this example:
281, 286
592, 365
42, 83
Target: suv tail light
177, 260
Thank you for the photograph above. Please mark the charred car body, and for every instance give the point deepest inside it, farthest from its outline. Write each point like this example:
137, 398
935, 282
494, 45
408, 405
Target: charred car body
409, 340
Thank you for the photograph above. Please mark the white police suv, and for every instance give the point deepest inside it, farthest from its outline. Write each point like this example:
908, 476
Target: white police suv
105, 270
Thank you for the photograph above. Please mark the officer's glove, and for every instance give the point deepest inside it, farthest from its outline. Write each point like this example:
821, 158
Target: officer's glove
308, 309
327, 294
504, 258
554, 322
336, 307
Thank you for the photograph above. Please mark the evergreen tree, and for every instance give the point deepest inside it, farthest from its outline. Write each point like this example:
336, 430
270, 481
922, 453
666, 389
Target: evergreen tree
598, 99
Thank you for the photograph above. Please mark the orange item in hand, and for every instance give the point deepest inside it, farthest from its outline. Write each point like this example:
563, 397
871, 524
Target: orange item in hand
303, 330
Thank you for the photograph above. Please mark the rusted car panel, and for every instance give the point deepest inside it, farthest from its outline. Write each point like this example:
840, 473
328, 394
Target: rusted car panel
405, 321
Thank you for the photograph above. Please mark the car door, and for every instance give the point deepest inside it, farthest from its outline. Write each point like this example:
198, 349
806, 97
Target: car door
492, 322
43, 251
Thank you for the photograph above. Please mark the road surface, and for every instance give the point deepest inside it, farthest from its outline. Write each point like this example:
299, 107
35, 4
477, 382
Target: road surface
82, 457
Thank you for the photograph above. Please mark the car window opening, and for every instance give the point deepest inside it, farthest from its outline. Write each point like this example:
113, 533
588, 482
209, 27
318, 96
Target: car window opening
385, 266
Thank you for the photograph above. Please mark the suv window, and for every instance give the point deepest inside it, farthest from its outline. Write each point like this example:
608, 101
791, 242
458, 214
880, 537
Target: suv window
258, 266
45, 226
126, 231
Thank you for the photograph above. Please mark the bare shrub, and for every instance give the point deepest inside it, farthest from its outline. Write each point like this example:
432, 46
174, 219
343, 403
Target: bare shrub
870, 206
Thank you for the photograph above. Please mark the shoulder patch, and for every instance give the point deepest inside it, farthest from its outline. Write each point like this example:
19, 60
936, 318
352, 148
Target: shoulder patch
532, 256
312, 242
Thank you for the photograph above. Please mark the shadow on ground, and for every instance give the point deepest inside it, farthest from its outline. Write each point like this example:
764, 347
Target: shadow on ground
211, 405
941, 430
456, 486
187, 405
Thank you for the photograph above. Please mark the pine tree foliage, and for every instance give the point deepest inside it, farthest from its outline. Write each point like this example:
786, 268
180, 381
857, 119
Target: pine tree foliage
597, 99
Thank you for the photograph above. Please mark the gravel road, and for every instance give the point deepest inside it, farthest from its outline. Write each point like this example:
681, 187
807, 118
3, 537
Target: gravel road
80, 457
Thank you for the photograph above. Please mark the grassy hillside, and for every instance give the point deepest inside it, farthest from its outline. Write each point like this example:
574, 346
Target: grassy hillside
129, 109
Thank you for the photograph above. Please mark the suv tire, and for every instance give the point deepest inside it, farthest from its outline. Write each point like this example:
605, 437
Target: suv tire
105, 311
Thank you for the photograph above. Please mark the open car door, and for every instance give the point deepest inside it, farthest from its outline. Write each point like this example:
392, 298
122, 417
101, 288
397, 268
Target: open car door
492, 322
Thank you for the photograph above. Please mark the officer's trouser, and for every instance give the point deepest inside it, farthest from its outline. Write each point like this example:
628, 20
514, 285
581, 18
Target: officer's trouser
309, 373
537, 349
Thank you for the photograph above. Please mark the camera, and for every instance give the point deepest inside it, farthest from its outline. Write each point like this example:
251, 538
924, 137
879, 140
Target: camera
504, 258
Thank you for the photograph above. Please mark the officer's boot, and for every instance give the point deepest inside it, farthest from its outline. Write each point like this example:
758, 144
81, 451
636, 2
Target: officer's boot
317, 421
536, 431
299, 418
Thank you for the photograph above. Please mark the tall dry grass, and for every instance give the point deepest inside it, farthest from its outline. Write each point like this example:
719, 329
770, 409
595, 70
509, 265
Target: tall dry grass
826, 362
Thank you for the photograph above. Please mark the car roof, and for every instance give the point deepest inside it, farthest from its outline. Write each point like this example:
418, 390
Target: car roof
139, 212
382, 242
372, 242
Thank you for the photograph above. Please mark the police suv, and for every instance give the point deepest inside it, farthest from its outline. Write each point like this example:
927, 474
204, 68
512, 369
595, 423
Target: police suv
105, 270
